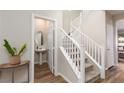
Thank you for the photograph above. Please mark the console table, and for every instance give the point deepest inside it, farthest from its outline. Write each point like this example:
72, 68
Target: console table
13, 67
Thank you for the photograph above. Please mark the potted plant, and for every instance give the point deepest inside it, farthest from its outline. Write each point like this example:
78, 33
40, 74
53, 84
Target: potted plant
15, 55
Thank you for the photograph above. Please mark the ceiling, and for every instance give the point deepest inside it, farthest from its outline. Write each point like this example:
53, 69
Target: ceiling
120, 24
116, 12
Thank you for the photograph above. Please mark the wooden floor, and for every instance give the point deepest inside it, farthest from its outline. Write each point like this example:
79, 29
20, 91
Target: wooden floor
44, 75
114, 75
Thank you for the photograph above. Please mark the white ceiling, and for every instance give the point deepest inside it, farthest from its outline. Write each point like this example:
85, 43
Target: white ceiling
116, 12
120, 24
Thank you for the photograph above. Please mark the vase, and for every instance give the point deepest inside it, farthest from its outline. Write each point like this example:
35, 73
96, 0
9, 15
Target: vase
15, 60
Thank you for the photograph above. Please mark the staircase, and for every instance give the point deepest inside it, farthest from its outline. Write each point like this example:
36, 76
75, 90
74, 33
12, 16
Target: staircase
74, 55
93, 51
84, 55
91, 71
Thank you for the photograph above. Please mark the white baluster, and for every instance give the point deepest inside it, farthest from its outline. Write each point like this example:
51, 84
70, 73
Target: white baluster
103, 64
99, 56
92, 48
82, 65
95, 53
78, 60
72, 53
75, 57
87, 43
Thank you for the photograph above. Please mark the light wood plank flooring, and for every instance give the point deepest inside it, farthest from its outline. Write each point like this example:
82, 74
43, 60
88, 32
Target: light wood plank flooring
114, 74
44, 75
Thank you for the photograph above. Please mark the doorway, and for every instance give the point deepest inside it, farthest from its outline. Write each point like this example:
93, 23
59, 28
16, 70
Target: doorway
44, 43
120, 33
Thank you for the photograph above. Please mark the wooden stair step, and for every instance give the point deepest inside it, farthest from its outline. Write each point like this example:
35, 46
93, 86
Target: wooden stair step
88, 66
92, 76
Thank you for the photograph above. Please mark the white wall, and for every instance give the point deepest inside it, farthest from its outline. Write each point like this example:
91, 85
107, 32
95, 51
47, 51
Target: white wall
65, 70
94, 26
16, 26
68, 16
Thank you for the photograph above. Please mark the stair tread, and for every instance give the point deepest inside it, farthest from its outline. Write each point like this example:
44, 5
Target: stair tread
88, 64
90, 75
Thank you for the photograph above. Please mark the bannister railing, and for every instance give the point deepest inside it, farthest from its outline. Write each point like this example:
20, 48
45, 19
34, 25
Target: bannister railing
75, 55
92, 49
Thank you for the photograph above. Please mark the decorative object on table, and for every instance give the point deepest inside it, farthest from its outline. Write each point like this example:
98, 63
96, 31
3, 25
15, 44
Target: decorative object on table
15, 55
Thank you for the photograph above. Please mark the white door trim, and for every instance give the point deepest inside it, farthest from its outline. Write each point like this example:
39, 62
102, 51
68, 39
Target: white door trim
32, 44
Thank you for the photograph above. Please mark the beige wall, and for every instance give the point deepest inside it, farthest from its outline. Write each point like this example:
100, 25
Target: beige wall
95, 26
68, 16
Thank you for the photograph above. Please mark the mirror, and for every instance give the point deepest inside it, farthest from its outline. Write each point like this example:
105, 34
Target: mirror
39, 38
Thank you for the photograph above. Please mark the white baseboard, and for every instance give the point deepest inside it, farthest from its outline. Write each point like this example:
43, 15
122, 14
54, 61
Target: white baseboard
64, 77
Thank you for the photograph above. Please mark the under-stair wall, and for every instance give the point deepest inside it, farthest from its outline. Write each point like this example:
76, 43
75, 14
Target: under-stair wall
65, 70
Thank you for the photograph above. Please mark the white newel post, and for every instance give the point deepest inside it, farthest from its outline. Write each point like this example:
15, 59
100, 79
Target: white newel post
82, 65
102, 75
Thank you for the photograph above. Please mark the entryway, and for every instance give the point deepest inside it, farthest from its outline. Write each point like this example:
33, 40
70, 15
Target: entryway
44, 43
120, 30
115, 59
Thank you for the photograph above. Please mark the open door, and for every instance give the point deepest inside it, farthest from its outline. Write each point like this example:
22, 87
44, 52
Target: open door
51, 45
110, 44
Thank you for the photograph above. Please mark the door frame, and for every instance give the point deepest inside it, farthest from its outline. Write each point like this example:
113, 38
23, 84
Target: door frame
32, 43
116, 40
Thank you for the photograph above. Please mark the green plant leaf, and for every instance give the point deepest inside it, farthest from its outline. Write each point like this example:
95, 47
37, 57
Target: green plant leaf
15, 50
9, 48
21, 49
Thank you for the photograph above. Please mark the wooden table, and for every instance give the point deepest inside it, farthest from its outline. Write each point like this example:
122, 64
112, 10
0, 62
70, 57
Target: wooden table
13, 67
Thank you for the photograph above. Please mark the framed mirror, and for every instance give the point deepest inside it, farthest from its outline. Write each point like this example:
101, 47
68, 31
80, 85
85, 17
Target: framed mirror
39, 38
